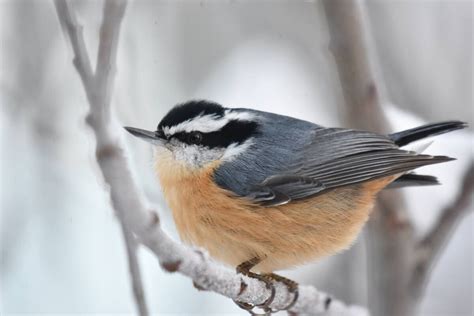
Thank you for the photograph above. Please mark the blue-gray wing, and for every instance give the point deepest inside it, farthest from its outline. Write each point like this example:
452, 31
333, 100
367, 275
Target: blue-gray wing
339, 157
293, 160
281, 189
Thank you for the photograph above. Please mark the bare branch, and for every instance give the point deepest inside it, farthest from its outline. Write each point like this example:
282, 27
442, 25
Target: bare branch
432, 245
68, 21
137, 286
98, 89
390, 230
131, 209
392, 239
348, 44
107, 53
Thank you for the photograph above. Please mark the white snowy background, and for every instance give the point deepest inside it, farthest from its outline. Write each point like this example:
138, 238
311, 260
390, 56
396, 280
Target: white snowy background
61, 247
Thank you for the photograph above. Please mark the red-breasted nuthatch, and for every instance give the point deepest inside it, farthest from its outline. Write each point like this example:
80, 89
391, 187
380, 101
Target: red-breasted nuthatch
265, 192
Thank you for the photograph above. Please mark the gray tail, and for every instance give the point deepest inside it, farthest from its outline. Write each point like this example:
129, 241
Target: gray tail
412, 180
405, 137
410, 135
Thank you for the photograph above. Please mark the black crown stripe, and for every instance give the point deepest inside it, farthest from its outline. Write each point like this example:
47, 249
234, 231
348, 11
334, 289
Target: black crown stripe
189, 110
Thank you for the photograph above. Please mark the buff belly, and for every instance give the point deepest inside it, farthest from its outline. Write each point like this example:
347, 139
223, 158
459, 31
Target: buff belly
235, 230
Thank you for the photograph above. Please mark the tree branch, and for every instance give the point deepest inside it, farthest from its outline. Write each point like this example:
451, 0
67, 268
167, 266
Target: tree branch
98, 89
390, 230
363, 109
392, 242
134, 268
348, 44
432, 245
132, 210
107, 55
69, 23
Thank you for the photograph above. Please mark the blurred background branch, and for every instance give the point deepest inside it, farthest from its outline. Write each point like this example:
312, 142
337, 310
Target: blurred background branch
432, 245
395, 272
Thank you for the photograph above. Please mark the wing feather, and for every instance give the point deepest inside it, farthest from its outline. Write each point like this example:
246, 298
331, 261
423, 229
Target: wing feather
339, 157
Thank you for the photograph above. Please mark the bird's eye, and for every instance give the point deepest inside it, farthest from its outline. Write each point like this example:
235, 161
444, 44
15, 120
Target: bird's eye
195, 138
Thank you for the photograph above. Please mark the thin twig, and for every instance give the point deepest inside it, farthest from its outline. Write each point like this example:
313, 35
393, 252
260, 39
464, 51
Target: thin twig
432, 245
133, 213
98, 89
68, 21
137, 286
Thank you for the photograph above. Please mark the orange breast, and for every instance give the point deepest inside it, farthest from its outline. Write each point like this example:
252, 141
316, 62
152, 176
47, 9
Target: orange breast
234, 230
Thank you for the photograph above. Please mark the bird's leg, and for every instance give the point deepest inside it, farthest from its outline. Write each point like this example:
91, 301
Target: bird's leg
291, 285
244, 268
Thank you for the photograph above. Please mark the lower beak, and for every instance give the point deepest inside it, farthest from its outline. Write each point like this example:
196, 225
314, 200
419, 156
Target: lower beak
151, 137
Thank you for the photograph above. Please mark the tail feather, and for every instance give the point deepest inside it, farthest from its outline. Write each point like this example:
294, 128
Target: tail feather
411, 135
405, 137
413, 179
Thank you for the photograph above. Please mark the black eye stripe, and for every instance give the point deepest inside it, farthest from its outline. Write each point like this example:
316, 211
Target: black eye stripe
233, 132
195, 137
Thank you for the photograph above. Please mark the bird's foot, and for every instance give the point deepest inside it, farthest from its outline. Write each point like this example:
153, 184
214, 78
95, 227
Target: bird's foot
244, 268
291, 286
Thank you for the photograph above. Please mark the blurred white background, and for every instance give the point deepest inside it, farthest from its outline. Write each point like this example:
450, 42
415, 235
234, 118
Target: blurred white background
61, 247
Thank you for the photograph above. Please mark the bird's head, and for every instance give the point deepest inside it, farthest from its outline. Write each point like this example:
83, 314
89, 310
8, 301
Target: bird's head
197, 133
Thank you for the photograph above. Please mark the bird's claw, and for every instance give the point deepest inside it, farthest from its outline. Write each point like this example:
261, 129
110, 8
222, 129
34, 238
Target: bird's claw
291, 286
265, 306
268, 279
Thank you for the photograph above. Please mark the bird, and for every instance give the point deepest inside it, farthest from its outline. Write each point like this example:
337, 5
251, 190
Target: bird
264, 192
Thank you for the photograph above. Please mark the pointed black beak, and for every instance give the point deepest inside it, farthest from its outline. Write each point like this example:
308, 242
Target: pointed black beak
151, 137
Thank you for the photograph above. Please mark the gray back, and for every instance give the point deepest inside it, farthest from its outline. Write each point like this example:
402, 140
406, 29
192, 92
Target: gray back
276, 148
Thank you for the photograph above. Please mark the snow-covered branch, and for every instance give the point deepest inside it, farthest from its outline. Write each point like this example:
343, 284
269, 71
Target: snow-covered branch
133, 211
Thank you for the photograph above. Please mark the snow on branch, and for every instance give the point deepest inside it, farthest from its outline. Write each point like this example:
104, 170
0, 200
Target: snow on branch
133, 211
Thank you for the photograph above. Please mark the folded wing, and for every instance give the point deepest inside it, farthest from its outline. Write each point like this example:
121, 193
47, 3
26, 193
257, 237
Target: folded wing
335, 158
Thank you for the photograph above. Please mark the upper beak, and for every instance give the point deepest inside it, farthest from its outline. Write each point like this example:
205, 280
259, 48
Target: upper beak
151, 137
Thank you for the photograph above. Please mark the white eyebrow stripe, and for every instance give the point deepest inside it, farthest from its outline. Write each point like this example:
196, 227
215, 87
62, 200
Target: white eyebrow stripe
207, 123
240, 116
